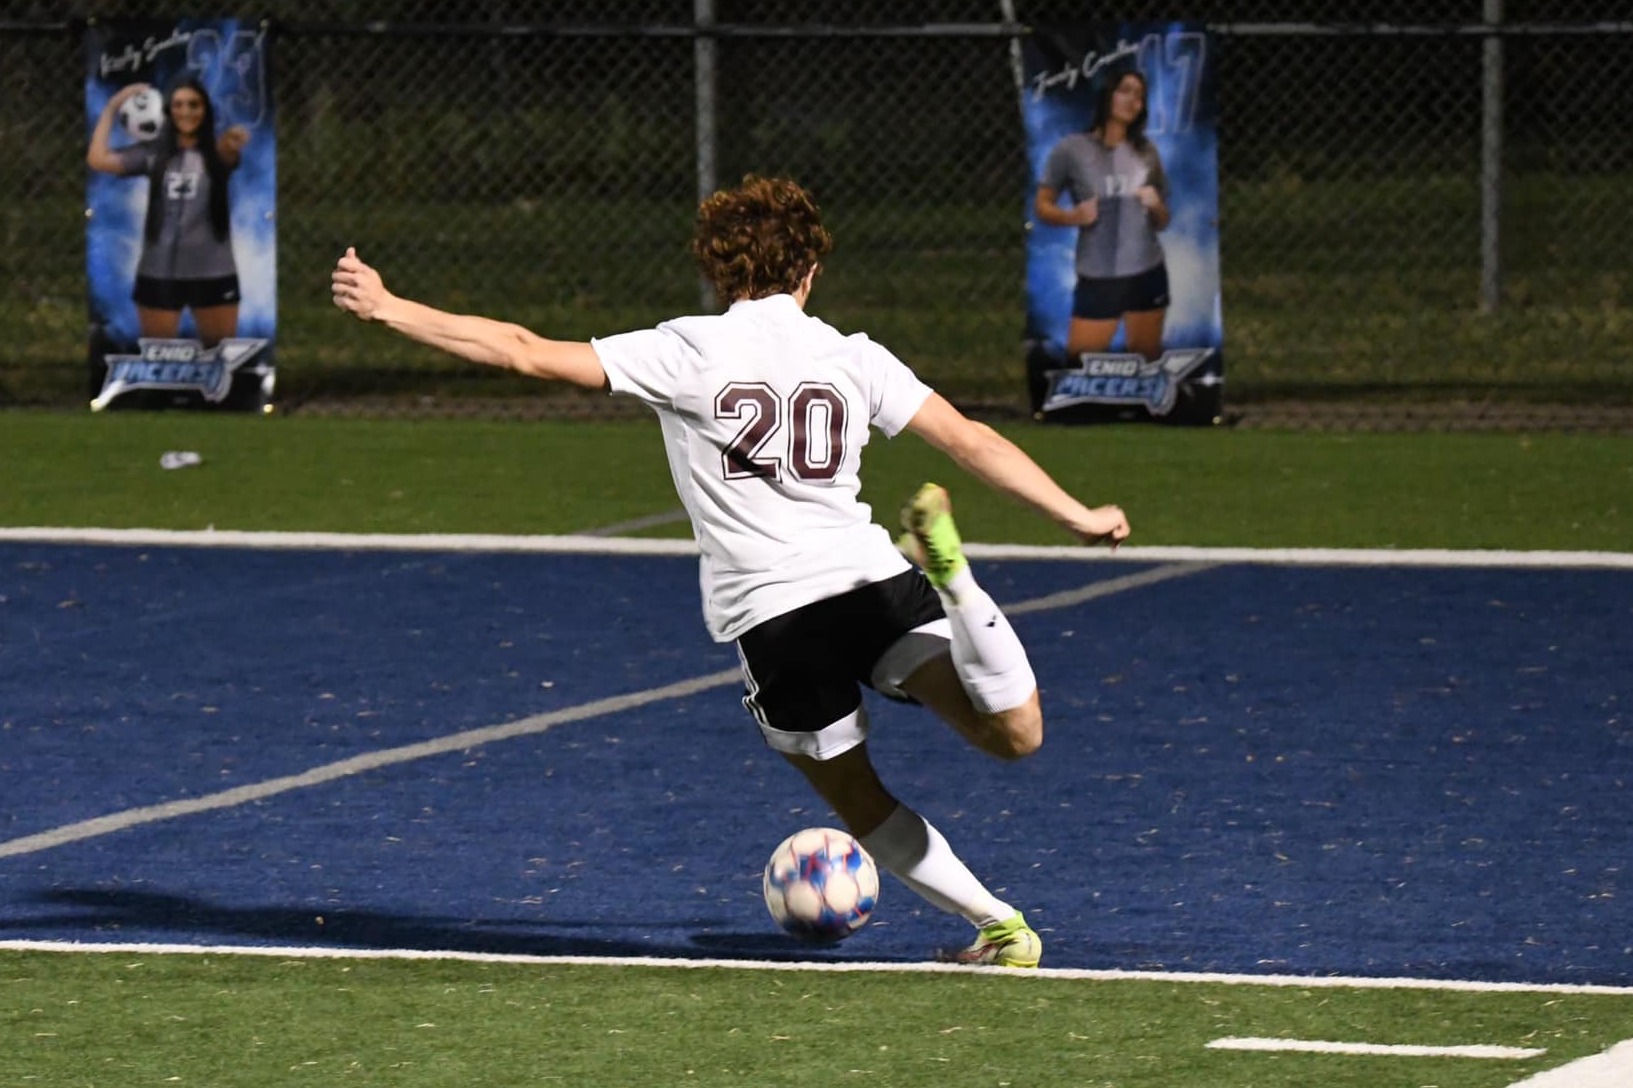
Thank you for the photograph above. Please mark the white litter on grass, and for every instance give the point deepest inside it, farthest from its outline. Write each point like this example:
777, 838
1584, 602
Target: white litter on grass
179, 459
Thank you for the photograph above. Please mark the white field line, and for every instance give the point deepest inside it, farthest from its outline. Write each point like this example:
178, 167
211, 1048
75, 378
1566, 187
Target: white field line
1327, 982
589, 544
1611, 1068
378, 542
345, 768
635, 525
471, 738
1094, 590
1403, 1050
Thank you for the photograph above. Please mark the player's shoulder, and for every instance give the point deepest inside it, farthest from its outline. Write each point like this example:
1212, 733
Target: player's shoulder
736, 320
855, 347
815, 328
782, 317
690, 326
748, 328
1078, 143
706, 335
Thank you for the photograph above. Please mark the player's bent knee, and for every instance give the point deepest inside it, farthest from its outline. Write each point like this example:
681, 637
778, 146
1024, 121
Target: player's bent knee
1020, 731
1026, 742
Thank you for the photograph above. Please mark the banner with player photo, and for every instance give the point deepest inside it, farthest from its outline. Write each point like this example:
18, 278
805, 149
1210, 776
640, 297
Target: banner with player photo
1122, 281
180, 230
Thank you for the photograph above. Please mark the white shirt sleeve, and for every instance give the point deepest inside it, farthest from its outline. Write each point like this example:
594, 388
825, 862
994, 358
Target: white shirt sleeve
648, 364
896, 394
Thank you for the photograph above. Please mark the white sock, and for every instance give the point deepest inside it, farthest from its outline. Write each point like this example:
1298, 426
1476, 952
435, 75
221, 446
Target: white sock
989, 657
906, 846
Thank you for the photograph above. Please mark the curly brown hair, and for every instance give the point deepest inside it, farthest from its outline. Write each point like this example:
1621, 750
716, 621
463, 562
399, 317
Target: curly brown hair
759, 239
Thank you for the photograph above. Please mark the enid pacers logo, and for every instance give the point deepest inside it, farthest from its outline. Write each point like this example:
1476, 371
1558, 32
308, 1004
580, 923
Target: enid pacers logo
184, 365
1127, 379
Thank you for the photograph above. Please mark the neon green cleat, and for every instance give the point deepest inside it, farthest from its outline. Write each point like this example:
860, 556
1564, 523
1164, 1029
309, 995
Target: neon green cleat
931, 540
1010, 943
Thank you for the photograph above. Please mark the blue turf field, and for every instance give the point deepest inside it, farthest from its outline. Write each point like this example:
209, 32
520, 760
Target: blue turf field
1361, 771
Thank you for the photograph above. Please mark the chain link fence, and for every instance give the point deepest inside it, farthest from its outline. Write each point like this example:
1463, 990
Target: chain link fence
1415, 219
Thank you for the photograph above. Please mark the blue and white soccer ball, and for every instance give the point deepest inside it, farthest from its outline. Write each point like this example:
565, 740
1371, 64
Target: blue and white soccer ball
820, 885
142, 114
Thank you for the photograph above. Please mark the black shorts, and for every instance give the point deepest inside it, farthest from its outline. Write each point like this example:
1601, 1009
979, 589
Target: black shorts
158, 294
803, 670
1110, 299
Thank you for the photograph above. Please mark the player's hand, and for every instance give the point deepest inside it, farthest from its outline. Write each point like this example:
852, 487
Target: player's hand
1149, 197
1087, 213
126, 93
233, 140
357, 287
121, 96
1104, 525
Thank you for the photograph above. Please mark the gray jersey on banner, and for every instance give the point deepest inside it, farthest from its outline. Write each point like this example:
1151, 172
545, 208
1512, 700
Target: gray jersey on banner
187, 247
1121, 242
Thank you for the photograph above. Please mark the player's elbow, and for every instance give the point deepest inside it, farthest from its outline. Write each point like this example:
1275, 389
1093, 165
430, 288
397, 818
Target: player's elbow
525, 353
1047, 208
558, 360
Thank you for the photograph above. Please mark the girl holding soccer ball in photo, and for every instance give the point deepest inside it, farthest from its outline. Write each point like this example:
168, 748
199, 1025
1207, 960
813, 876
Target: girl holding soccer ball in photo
187, 259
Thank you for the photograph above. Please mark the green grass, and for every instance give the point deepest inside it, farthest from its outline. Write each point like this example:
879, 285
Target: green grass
1216, 487
132, 1019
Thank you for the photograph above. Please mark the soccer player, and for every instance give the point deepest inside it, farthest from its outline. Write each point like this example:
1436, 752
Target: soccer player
765, 411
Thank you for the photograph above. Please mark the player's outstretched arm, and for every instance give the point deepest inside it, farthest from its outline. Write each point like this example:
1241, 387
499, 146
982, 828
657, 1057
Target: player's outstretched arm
999, 463
359, 290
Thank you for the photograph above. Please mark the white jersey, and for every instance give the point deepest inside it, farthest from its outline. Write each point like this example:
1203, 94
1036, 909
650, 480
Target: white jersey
765, 411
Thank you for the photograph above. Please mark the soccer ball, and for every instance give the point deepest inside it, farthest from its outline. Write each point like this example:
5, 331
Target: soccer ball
142, 115
820, 885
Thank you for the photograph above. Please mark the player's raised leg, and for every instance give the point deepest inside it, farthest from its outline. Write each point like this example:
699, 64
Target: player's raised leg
906, 845
986, 688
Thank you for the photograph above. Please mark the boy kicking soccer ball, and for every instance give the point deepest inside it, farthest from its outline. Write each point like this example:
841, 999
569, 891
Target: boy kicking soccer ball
765, 411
